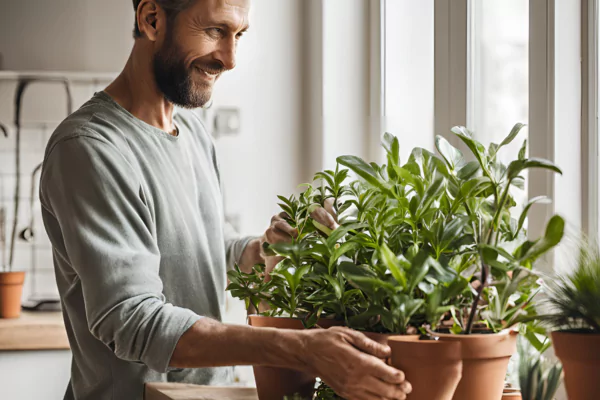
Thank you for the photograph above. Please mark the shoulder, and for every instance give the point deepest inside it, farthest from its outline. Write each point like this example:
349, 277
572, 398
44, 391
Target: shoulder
92, 126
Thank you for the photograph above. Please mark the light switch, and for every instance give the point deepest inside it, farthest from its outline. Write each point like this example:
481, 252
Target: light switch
227, 121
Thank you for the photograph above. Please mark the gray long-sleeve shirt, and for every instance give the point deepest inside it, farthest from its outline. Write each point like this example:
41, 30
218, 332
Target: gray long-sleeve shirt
140, 246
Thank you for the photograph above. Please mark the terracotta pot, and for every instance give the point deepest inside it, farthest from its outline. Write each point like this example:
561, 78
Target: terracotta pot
381, 338
580, 357
275, 383
11, 290
485, 361
512, 394
433, 368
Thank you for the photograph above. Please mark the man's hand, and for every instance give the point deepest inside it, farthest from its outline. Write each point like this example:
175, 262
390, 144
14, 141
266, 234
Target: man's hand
351, 364
281, 232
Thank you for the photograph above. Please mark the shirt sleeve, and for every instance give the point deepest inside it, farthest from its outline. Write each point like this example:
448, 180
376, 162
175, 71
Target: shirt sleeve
94, 196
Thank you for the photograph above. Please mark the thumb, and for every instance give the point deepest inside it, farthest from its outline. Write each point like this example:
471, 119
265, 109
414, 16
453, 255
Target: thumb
369, 346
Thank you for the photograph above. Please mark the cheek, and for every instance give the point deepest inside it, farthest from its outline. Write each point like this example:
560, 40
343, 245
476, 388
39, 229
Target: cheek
195, 50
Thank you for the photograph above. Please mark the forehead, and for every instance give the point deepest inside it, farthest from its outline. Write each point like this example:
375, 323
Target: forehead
229, 12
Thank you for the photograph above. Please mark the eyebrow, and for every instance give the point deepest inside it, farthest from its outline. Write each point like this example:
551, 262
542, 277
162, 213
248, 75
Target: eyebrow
228, 27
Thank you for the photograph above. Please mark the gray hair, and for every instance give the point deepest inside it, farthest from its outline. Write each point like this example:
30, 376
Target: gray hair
170, 7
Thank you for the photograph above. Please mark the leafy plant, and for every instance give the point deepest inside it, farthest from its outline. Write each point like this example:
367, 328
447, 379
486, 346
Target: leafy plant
573, 300
457, 215
434, 242
306, 283
538, 378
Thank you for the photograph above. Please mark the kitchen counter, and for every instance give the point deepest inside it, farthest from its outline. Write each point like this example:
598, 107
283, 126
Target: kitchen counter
34, 331
177, 391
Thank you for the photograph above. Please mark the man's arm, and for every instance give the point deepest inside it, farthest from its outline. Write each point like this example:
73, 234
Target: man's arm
97, 220
345, 359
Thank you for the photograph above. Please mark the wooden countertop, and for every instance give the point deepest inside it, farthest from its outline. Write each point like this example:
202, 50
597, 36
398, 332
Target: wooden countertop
178, 391
34, 331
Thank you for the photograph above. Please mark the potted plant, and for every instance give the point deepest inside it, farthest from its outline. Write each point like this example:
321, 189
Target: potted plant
305, 288
573, 313
459, 214
11, 282
538, 378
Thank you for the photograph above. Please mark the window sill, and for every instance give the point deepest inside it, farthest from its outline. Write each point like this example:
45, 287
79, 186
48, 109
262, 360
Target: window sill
34, 331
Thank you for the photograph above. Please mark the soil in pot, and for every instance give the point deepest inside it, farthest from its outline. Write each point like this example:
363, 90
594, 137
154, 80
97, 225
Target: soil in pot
11, 290
579, 354
485, 360
275, 383
432, 367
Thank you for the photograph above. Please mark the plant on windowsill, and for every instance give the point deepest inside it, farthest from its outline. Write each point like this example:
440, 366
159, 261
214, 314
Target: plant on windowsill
538, 378
11, 282
572, 311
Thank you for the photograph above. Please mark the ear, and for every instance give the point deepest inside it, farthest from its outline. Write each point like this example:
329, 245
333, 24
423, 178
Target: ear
151, 19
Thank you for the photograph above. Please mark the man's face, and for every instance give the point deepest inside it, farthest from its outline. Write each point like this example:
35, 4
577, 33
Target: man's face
198, 46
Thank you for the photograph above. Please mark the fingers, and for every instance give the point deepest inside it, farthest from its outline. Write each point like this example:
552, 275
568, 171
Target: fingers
321, 215
386, 390
369, 346
328, 204
270, 264
279, 223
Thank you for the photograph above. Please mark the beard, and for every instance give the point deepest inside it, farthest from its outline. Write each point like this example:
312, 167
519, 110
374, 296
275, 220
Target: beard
175, 80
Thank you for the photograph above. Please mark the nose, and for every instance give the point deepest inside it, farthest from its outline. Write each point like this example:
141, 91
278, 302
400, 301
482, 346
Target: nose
226, 53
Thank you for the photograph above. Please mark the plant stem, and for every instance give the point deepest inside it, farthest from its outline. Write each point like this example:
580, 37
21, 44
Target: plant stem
484, 280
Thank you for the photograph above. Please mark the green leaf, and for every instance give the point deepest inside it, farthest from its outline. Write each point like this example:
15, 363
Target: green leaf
336, 286
340, 251
540, 200
476, 148
453, 156
468, 170
432, 194
393, 264
518, 166
417, 272
523, 151
512, 135
554, 233
341, 231
364, 170
392, 147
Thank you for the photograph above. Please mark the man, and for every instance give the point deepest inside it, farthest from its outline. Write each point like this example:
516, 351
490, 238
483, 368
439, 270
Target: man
131, 202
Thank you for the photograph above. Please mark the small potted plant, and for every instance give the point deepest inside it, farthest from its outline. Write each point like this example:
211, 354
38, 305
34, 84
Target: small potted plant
11, 282
305, 288
573, 313
539, 379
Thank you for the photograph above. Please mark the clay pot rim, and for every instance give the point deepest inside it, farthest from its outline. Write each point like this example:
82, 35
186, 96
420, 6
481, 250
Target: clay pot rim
438, 350
576, 333
507, 332
11, 278
292, 318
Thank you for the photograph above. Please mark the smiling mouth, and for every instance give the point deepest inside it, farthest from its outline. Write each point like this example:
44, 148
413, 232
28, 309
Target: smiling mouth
208, 74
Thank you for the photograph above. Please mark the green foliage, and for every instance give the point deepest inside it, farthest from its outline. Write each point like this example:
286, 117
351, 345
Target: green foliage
538, 379
574, 299
420, 244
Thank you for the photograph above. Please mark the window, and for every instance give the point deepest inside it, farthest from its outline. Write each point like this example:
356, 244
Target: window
498, 92
409, 72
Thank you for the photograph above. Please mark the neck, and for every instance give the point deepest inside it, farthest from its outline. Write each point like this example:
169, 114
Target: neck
135, 90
